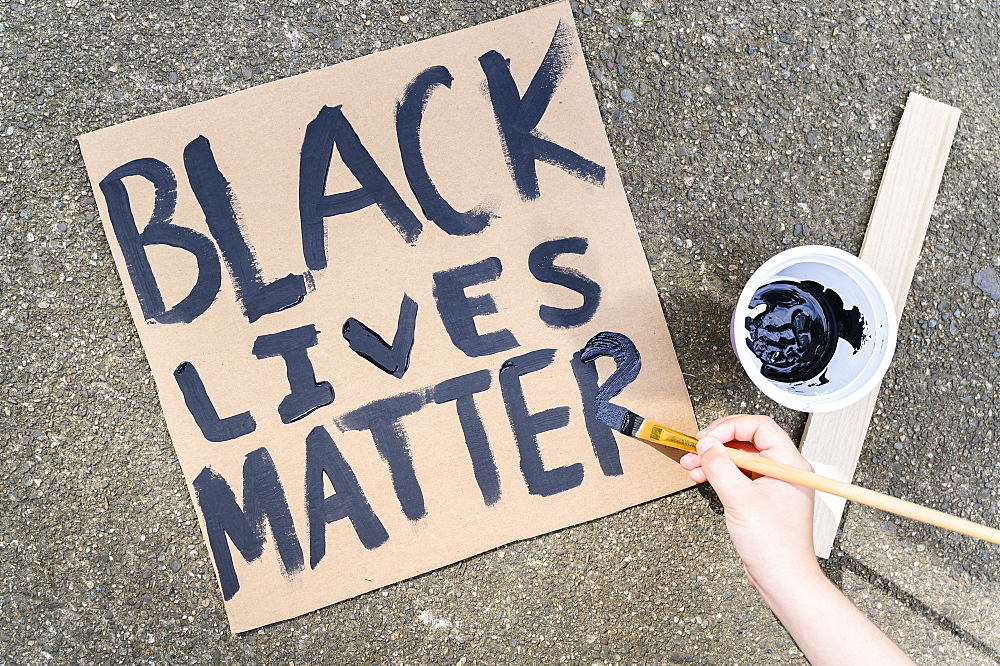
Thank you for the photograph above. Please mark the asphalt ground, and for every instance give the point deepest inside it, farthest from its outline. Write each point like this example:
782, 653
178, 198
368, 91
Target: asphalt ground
740, 129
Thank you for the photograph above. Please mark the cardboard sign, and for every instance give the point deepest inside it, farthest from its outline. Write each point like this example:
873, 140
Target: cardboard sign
360, 291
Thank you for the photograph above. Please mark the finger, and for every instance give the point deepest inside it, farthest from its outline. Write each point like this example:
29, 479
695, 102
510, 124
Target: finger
744, 427
716, 422
726, 419
749, 448
732, 487
697, 475
690, 461
766, 435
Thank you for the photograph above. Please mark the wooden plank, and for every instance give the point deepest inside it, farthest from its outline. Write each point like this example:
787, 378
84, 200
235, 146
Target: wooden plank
832, 441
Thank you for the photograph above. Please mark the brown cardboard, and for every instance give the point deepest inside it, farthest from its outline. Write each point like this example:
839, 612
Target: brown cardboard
256, 137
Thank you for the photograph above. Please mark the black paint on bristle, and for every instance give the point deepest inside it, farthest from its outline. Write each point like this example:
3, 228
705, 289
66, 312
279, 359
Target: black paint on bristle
627, 366
631, 424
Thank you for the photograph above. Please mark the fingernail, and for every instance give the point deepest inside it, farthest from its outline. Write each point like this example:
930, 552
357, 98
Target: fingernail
705, 444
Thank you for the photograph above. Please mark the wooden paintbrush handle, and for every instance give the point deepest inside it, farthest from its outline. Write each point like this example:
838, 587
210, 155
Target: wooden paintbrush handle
776, 470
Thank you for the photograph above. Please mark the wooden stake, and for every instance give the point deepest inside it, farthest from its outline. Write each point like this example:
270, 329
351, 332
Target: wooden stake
832, 441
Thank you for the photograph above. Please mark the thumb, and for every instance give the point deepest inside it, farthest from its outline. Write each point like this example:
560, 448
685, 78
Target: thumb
729, 482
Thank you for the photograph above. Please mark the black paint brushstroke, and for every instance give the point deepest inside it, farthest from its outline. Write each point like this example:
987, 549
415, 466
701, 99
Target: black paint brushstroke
527, 426
461, 390
215, 196
306, 394
604, 443
627, 366
518, 117
394, 358
199, 404
263, 498
159, 231
541, 264
458, 311
409, 115
382, 419
331, 128
323, 458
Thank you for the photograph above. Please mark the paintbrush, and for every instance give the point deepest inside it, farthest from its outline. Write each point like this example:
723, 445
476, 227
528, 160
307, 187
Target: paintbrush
629, 423
653, 432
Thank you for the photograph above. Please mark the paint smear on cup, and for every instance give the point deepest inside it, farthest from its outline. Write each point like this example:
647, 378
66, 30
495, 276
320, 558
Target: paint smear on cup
795, 336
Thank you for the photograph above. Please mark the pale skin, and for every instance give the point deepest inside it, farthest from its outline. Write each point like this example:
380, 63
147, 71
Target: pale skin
770, 523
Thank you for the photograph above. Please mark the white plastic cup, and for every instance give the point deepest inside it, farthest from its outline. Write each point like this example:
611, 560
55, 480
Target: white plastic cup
850, 374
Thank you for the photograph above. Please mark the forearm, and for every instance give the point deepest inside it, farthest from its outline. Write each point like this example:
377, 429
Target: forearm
827, 627
770, 522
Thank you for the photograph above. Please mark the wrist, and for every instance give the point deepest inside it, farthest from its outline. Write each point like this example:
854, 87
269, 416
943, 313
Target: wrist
790, 583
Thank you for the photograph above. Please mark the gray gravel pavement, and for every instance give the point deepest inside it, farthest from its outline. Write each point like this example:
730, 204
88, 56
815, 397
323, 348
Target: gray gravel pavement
740, 129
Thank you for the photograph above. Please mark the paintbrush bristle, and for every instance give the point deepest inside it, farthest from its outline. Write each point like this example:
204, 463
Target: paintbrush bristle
631, 424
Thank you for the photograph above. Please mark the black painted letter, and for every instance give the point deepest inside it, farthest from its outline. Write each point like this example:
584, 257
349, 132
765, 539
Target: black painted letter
542, 266
348, 501
461, 390
627, 367
365, 342
215, 196
159, 231
382, 418
307, 395
518, 117
328, 129
601, 437
200, 405
527, 426
263, 497
409, 114
458, 310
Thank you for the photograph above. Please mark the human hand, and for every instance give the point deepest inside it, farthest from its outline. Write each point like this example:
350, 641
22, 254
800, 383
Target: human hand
769, 521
